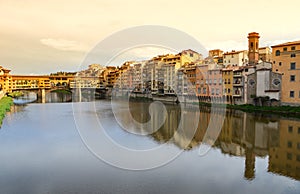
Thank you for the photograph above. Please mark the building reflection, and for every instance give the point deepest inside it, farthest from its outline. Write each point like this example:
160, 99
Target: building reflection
244, 135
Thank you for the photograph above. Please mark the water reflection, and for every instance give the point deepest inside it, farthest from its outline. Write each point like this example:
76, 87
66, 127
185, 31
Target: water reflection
58, 97
50, 97
243, 135
42, 152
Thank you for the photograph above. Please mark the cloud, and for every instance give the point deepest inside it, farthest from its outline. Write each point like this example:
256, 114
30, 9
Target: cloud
64, 45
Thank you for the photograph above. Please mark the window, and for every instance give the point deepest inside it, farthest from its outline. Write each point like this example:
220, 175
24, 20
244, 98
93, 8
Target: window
285, 49
290, 129
289, 144
213, 91
277, 53
217, 91
199, 90
220, 81
251, 82
298, 158
292, 94
289, 156
228, 90
251, 45
298, 146
292, 78
298, 130
293, 65
279, 63
204, 90
293, 55
293, 48
276, 81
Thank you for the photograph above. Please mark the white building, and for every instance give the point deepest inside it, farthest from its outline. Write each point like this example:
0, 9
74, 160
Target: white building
235, 58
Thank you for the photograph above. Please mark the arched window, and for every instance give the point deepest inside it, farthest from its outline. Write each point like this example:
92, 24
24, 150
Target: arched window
277, 53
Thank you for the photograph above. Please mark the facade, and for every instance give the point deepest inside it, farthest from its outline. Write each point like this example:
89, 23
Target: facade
286, 60
235, 58
217, 55
202, 87
264, 83
227, 75
215, 81
265, 54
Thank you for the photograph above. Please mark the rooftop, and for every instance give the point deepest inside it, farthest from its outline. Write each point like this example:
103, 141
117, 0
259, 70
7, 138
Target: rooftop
287, 44
234, 52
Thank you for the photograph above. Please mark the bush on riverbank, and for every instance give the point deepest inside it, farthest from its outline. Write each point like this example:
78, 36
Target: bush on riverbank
292, 111
5, 104
16, 94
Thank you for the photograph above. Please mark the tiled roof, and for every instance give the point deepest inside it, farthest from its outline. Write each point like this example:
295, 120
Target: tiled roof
287, 44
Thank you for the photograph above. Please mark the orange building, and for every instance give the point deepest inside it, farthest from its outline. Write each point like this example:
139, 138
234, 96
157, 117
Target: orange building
286, 60
253, 48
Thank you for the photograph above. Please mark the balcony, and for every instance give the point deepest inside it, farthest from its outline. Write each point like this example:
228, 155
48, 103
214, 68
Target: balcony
237, 74
237, 93
238, 83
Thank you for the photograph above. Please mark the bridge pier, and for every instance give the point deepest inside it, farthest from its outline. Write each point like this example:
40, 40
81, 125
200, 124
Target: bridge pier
43, 96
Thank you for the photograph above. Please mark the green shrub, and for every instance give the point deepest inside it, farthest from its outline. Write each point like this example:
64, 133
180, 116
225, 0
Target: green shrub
5, 104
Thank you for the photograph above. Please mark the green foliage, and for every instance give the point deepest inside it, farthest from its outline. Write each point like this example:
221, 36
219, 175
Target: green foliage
290, 111
16, 94
5, 104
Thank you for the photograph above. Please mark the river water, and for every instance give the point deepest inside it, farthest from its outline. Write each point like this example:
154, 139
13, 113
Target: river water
44, 148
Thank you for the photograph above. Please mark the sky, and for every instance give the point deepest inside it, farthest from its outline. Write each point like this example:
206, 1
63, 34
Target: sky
40, 37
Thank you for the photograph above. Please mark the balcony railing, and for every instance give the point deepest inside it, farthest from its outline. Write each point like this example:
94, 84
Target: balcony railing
237, 74
238, 83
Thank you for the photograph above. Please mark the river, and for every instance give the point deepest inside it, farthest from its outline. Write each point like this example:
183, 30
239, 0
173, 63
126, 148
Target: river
45, 149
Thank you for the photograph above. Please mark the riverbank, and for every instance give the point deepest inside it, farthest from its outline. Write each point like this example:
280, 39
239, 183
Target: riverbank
290, 111
5, 104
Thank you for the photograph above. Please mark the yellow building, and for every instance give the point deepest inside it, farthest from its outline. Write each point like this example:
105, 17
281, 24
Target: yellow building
5, 81
286, 60
30, 82
217, 55
227, 75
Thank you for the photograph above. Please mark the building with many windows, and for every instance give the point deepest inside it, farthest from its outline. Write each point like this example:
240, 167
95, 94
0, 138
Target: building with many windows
286, 60
235, 58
